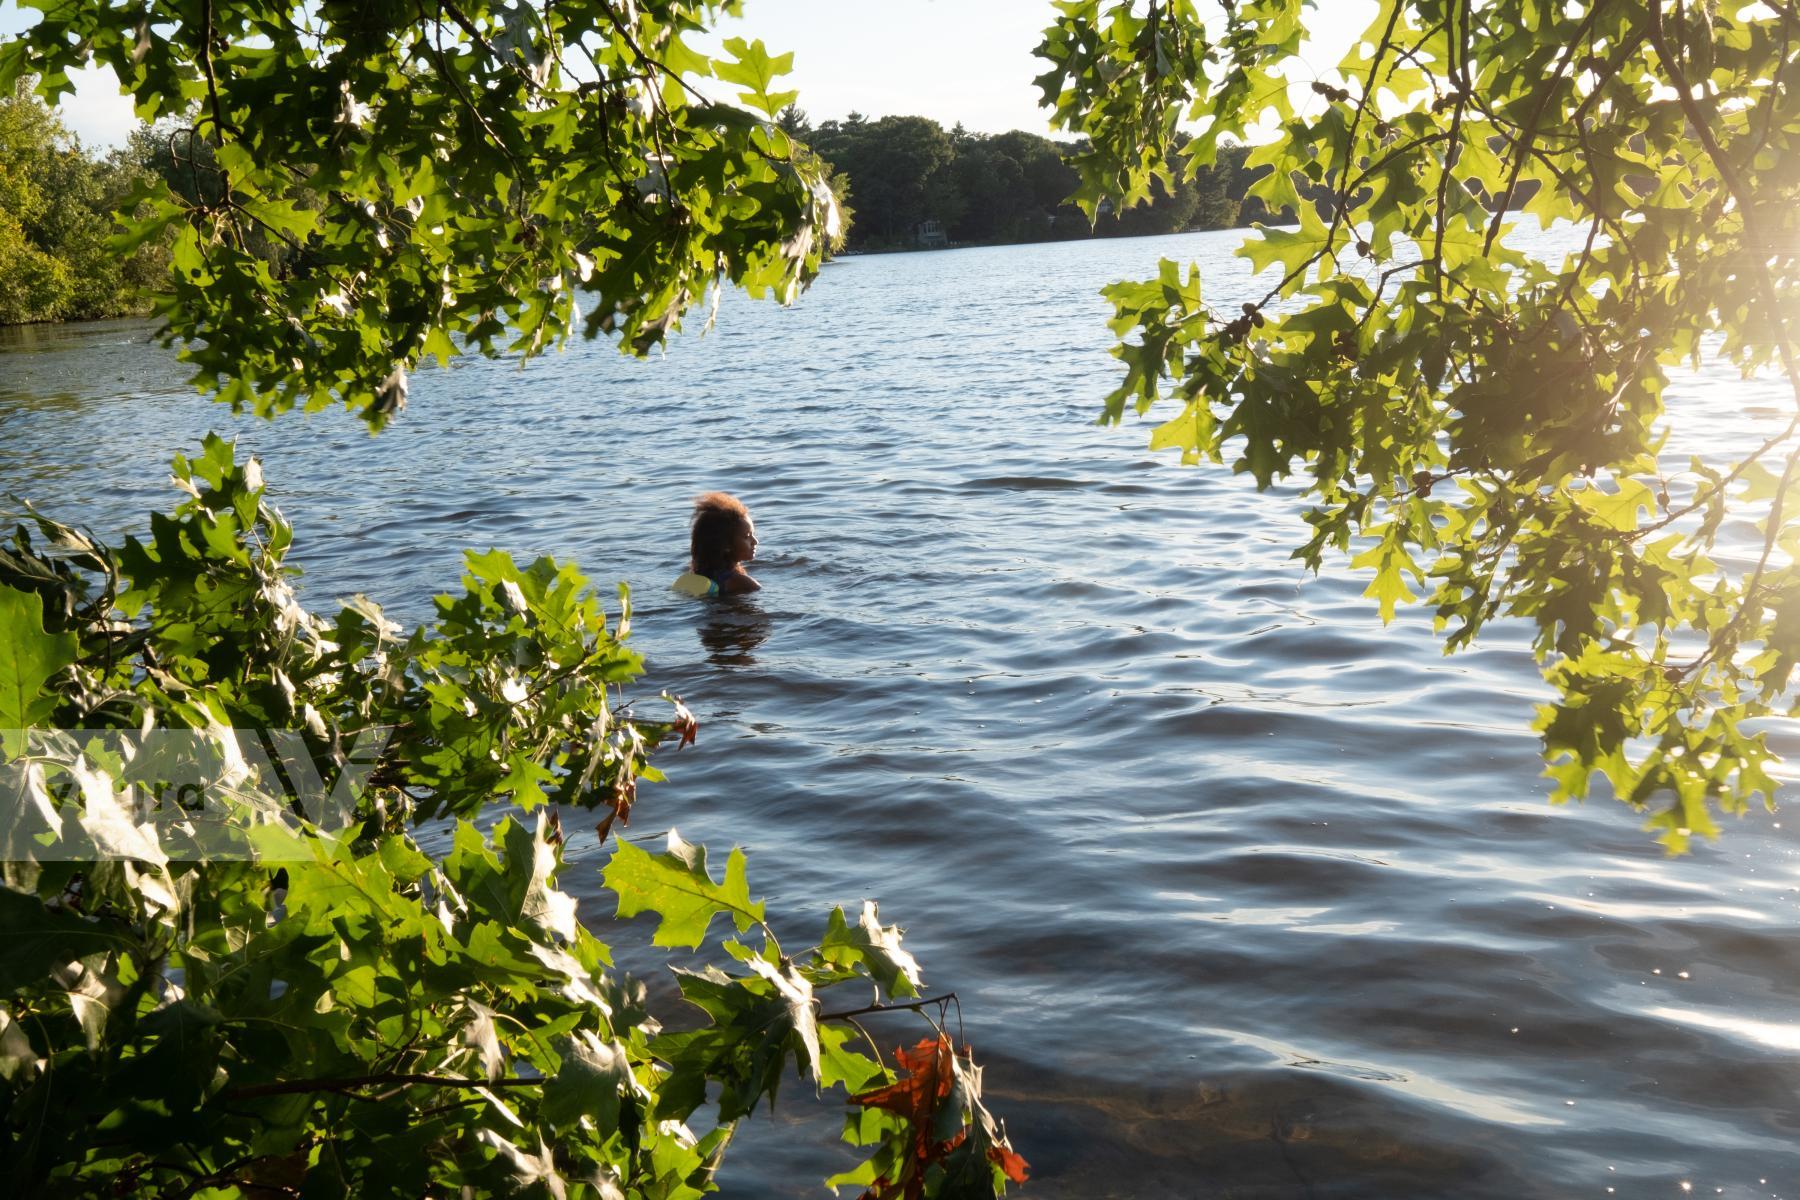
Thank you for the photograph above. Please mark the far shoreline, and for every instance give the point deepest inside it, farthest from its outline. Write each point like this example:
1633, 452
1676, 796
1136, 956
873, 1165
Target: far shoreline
1110, 237
149, 314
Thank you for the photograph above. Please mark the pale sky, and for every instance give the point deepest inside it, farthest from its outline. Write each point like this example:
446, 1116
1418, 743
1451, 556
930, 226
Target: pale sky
951, 60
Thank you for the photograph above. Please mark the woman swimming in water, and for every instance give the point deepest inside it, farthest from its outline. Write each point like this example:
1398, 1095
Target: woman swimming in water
722, 541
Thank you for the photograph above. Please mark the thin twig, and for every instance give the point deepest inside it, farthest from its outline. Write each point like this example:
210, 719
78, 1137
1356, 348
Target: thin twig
455, 81
895, 1006
220, 129
1524, 144
347, 1083
1459, 75
1341, 209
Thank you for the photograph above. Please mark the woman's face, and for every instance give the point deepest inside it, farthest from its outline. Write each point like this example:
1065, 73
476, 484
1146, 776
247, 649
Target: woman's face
743, 547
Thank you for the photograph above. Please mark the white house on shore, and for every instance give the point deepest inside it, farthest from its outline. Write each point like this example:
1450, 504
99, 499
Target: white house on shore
929, 235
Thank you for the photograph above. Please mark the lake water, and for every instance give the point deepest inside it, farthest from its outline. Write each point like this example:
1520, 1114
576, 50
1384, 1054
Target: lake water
1244, 894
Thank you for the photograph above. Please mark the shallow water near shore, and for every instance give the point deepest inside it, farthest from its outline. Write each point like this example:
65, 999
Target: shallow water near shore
1243, 894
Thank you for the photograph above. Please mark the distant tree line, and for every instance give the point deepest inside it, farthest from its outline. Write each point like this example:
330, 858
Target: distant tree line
908, 180
56, 218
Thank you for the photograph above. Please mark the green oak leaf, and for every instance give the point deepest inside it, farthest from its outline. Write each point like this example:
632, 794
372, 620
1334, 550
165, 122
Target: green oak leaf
797, 994
1392, 563
29, 658
678, 888
593, 1076
1288, 249
755, 69
1190, 432
874, 947
840, 1064
1618, 509
35, 939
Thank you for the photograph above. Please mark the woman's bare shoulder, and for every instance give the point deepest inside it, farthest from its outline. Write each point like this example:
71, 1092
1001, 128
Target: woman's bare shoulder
738, 582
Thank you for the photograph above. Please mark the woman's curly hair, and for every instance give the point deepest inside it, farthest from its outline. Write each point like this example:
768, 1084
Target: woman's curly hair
718, 519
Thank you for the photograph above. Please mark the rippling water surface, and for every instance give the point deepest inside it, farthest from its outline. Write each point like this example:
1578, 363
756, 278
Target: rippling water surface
1244, 895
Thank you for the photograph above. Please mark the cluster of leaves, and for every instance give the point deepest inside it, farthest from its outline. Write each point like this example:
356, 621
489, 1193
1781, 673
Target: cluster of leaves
320, 1007
945, 1131
56, 218
1472, 422
391, 181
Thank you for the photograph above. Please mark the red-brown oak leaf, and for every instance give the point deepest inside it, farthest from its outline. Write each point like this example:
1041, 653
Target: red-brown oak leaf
930, 1078
1009, 1162
930, 1075
937, 1097
685, 724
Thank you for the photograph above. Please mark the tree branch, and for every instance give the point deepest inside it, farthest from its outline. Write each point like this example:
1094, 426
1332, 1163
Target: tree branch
206, 63
1524, 143
1459, 75
897, 1006
348, 1083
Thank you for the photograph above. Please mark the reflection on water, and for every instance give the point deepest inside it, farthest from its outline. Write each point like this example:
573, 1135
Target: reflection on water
1244, 894
1784, 1036
732, 629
